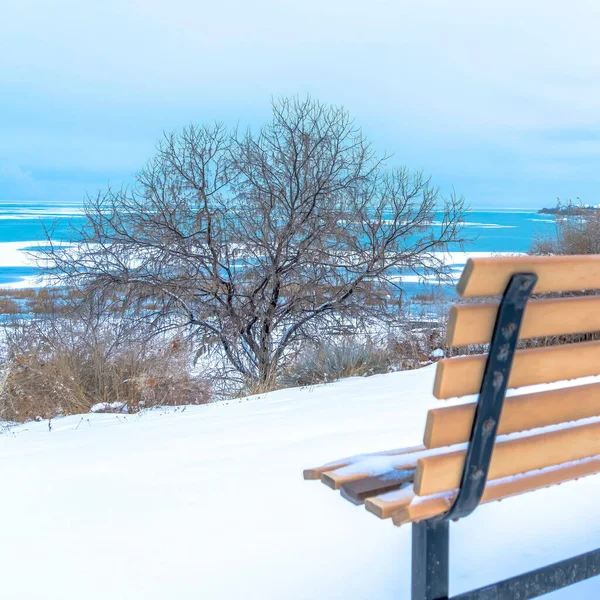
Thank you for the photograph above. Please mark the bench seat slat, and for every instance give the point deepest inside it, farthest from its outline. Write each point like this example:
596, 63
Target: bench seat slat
490, 276
385, 505
336, 479
358, 491
462, 375
474, 323
316, 472
442, 472
431, 506
372, 465
452, 425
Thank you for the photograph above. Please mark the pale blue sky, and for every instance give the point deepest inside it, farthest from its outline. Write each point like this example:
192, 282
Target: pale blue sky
499, 99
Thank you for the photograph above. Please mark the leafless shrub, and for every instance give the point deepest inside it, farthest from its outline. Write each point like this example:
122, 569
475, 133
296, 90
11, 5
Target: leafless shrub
359, 356
335, 360
9, 307
72, 362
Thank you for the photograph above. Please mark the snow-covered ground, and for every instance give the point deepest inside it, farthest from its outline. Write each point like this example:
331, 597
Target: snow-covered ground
20, 254
209, 502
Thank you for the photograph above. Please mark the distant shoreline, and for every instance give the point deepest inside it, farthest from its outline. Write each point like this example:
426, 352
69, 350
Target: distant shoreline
568, 211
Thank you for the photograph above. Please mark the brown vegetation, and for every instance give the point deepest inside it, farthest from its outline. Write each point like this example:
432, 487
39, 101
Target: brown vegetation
42, 301
576, 234
72, 361
9, 307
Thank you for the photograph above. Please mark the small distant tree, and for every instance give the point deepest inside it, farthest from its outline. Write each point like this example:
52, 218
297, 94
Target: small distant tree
257, 242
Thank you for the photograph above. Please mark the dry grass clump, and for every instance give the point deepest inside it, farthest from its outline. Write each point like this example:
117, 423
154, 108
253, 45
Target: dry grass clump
18, 294
578, 233
42, 301
46, 374
9, 307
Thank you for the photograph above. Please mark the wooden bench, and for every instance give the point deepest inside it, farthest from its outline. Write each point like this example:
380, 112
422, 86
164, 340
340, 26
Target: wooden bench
468, 454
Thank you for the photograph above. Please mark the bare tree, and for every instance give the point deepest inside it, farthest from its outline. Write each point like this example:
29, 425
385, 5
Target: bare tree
255, 242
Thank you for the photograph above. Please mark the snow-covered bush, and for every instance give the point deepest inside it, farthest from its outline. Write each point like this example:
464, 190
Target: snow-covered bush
361, 356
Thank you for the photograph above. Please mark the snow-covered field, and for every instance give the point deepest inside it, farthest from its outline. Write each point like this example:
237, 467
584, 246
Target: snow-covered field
209, 502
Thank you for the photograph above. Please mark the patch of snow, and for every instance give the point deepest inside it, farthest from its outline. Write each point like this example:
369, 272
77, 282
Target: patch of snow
209, 502
16, 254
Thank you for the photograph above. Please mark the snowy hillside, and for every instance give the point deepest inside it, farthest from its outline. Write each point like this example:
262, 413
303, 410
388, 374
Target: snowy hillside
209, 502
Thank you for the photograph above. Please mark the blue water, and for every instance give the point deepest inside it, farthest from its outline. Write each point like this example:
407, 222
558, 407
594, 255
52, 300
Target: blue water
490, 230
30, 221
505, 230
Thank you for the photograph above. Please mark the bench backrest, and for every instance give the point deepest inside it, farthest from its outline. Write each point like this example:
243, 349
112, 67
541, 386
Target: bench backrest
460, 376
565, 447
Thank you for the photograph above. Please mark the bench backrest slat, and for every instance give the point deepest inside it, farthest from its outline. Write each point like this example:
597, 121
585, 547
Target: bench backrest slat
433, 506
490, 276
452, 424
442, 472
474, 323
462, 375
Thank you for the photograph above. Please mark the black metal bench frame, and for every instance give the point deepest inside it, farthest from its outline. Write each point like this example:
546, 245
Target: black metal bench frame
430, 538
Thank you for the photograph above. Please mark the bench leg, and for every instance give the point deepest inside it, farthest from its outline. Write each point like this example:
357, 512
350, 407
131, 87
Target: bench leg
430, 562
